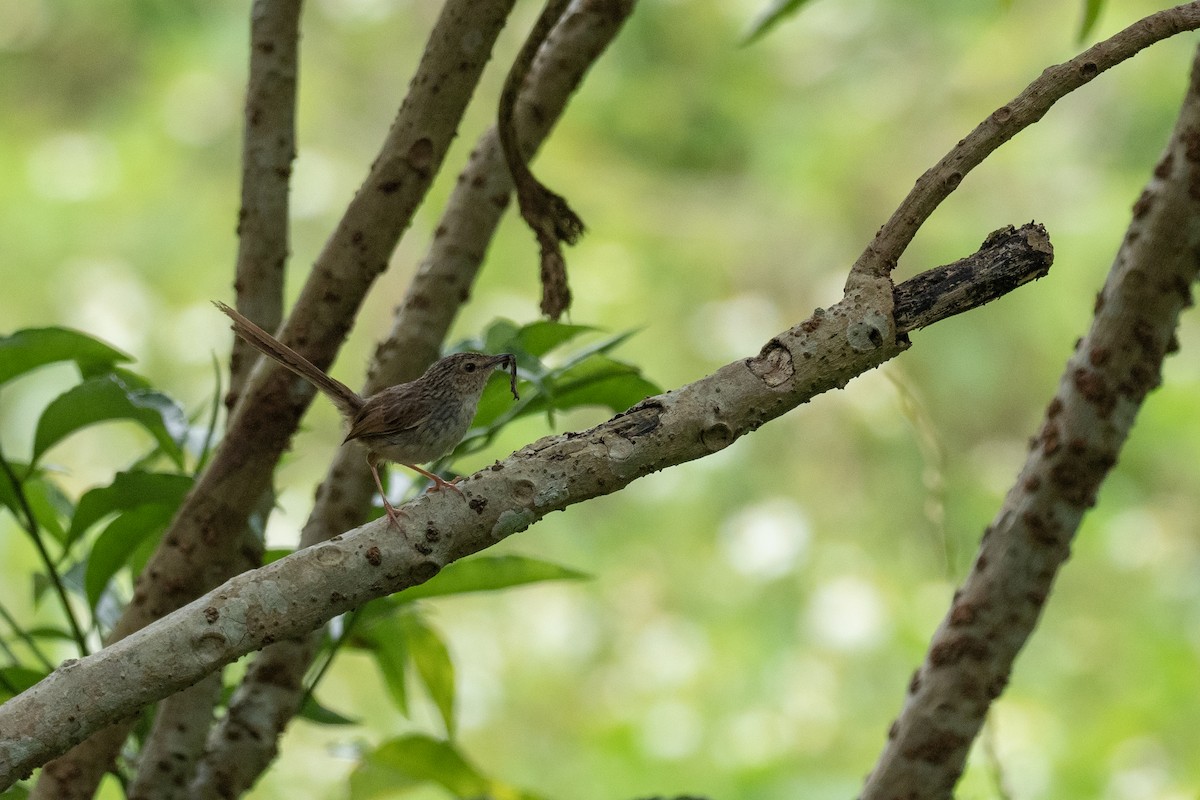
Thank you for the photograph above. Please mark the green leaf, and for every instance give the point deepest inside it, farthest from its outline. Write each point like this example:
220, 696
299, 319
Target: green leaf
14, 680
106, 398
496, 401
315, 712
10, 491
539, 338
127, 491
528, 342
432, 659
15, 792
50, 632
498, 337
119, 541
487, 574
49, 505
772, 15
413, 759
1091, 15
273, 554
35, 347
382, 638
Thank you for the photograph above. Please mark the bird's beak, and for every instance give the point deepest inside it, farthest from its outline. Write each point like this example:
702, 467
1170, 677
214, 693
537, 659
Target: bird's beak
509, 362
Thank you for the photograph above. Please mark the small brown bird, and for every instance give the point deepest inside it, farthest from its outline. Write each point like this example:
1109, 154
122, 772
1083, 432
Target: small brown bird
410, 423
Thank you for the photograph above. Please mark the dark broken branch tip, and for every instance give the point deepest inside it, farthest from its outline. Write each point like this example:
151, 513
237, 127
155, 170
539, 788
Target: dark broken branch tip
556, 294
548, 213
1008, 258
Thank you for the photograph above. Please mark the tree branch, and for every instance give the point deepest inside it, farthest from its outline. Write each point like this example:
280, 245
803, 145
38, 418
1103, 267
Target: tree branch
244, 741
202, 547
1114, 367
268, 149
296, 594
1004, 123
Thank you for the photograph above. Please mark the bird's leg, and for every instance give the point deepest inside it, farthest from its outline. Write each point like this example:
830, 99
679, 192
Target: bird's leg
393, 514
439, 483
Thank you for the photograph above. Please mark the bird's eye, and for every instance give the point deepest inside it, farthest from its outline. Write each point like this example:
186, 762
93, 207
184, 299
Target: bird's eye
469, 367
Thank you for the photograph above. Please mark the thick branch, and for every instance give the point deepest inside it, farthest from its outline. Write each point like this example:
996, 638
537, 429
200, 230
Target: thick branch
268, 148
1004, 123
200, 549
1101, 390
203, 546
296, 594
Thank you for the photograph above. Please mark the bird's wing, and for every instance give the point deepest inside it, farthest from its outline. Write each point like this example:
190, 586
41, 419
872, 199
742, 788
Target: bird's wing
394, 410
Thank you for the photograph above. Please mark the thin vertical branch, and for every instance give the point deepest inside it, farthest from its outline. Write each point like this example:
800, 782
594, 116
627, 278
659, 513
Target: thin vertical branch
268, 149
1114, 367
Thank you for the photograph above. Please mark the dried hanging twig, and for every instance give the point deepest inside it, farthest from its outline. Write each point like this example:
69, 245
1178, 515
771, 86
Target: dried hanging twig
547, 213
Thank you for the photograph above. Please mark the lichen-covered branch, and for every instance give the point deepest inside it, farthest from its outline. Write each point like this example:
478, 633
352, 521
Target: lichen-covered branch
296, 594
1114, 367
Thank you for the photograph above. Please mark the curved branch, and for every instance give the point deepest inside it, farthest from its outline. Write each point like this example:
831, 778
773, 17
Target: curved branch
547, 214
1004, 123
1114, 367
296, 594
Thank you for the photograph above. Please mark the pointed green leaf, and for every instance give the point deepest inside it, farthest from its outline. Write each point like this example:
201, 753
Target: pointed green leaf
772, 15
497, 338
489, 573
50, 632
106, 398
598, 381
416, 759
1091, 15
35, 347
127, 491
14, 680
539, 338
315, 712
49, 505
432, 659
383, 639
118, 542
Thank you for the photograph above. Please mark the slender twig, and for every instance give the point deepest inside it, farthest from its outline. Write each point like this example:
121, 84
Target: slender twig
24, 636
32, 528
1004, 123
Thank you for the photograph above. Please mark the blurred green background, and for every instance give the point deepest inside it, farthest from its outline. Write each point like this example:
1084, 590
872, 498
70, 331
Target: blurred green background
753, 617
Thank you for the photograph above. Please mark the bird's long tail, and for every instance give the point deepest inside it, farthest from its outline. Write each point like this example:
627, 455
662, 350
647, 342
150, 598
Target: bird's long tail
342, 396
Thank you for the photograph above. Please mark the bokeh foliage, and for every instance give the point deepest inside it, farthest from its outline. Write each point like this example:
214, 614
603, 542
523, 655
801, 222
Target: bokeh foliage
752, 618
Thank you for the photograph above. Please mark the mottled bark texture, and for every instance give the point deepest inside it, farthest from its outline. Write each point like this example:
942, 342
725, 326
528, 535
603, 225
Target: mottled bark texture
1114, 367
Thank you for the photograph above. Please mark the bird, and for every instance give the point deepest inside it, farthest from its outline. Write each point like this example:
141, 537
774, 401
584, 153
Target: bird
410, 423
